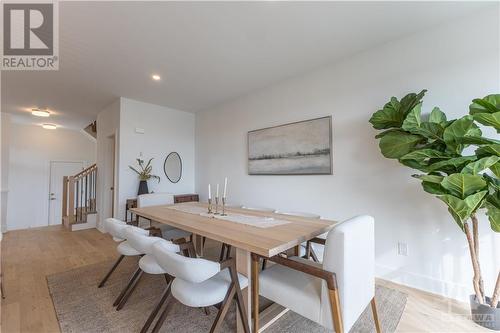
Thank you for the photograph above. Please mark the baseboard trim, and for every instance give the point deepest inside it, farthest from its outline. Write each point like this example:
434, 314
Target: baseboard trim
418, 281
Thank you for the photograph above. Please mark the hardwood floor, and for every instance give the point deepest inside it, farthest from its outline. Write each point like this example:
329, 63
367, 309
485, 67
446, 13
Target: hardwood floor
28, 256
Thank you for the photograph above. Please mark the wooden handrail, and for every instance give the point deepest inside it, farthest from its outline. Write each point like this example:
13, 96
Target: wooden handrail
86, 171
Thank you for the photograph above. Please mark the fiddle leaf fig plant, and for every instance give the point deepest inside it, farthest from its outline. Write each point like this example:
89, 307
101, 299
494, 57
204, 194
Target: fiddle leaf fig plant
434, 145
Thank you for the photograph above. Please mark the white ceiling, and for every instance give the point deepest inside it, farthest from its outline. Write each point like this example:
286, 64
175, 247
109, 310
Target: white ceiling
205, 52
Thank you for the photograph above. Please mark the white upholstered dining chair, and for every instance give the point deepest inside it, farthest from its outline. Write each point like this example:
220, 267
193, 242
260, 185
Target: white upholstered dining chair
147, 264
336, 292
157, 199
116, 229
202, 283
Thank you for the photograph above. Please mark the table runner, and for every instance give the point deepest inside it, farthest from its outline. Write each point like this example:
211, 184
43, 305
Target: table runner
254, 221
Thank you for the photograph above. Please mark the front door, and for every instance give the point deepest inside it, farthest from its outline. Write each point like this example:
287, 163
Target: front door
57, 171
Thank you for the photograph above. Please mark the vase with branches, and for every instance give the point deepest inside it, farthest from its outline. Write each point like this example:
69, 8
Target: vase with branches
467, 184
144, 171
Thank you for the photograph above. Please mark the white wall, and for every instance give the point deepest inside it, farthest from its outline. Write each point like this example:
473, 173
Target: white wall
165, 130
108, 124
31, 150
456, 62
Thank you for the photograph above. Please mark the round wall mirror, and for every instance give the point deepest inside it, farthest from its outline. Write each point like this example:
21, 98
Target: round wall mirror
173, 167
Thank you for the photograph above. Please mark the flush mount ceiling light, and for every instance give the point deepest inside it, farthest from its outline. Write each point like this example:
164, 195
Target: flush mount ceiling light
40, 113
156, 77
49, 126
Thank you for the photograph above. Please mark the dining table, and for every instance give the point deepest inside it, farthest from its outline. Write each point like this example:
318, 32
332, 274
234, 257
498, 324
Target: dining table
253, 234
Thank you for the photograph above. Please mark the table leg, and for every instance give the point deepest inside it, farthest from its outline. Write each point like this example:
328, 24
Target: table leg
243, 263
247, 264
198, 244
255, 292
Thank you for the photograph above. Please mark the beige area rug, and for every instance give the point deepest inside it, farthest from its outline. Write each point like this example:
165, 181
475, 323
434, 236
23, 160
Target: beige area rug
83, 308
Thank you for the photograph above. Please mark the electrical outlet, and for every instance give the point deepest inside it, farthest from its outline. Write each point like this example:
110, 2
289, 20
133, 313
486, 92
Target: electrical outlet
403, 249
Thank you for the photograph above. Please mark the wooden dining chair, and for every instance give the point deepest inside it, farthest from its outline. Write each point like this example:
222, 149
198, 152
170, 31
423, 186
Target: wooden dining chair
336, 292
147, 264
202, 283
116, 229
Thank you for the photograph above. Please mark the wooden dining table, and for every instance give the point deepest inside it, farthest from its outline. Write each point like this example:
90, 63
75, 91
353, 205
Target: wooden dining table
251, 243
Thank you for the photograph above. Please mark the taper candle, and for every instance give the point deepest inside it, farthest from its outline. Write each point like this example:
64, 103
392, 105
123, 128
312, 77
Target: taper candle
217, 191
209, 192
225, 187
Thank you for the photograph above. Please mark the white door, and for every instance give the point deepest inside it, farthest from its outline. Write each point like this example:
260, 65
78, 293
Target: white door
57, 171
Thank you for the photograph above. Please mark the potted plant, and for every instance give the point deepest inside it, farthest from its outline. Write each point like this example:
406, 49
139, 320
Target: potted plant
144, 175
467, 184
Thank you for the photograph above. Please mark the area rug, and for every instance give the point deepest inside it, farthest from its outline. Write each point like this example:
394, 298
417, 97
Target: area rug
81, 307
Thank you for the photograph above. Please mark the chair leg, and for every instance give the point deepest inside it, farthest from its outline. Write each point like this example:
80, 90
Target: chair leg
155, 311
336, 312
264, 264
314, 256
163, 316
228, 251
224, 309
132, 279
375, 315
117, 262
129, 292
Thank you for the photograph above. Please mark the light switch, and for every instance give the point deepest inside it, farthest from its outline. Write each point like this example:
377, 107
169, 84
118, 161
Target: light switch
139, 130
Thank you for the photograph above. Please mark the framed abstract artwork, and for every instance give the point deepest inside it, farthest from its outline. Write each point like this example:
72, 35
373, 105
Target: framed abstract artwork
300, 148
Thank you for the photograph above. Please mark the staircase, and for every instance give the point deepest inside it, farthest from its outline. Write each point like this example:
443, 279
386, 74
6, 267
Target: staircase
79, 200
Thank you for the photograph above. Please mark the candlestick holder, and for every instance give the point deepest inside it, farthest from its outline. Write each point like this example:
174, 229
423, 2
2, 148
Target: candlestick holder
209, 206
216, 206
223, 207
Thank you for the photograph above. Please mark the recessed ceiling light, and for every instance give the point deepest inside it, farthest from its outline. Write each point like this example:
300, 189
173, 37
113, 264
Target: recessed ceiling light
49, 126
40, 113
156, 77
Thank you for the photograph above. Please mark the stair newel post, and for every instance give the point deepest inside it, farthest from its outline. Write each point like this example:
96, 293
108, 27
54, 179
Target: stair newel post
80, 193
95, 189
92, 190
78, 196
64, 205
86, 193
71, 200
